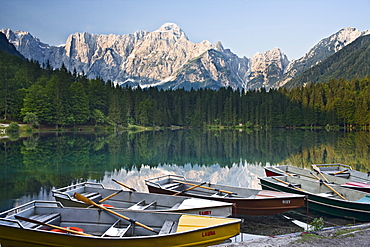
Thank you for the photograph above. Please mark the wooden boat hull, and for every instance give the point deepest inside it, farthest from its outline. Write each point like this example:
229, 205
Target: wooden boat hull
262, 203
339, 179
192, 230
128, 200
23, 238
321, 198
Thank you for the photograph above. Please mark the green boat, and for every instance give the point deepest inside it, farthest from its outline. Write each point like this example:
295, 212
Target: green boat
327, 198
334, 173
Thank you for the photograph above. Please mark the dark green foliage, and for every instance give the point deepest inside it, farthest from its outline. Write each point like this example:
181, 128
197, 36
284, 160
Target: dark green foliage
61, 98
13, 127
353, 61
8, 47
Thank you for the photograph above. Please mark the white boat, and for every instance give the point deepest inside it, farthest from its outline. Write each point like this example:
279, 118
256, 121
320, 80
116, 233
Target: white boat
132, 200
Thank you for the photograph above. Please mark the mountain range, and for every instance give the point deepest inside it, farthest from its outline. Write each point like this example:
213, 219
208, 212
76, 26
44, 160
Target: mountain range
167, 59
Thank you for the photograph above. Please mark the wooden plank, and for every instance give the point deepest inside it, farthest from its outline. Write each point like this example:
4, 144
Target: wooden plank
45, 218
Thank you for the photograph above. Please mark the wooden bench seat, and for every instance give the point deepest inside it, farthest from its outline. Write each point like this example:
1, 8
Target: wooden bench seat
45, 218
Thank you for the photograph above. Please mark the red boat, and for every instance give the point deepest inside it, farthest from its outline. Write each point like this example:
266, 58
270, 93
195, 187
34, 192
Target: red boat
247, 201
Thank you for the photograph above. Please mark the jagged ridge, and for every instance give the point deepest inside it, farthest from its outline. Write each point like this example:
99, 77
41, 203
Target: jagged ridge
166, 58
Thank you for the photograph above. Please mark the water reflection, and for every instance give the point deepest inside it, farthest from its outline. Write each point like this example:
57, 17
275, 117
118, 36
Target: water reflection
240, 175
31, 167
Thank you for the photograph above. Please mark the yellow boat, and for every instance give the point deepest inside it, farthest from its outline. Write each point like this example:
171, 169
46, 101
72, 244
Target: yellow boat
50, 224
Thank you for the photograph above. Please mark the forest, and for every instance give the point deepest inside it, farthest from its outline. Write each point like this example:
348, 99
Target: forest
59, 97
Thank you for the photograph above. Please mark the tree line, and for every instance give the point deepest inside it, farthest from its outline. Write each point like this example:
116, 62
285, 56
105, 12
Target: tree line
62, 98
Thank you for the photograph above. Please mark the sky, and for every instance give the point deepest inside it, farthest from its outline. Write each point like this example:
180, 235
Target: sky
243, 26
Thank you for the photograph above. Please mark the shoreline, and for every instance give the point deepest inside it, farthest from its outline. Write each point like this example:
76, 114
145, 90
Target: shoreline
356, 235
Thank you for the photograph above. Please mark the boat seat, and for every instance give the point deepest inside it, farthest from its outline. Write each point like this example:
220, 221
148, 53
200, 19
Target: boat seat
114, 231
295, 185
168, 227
92, 195
326, 194
148, 205
219, 194
137, 205
45, 218
176, 206
171, 185
141, 205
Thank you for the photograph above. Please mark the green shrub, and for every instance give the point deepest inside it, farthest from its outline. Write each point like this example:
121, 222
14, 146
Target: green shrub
318, 224
98, 128
13, 127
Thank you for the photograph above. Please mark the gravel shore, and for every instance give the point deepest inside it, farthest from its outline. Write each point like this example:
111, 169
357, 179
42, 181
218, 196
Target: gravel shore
345, 236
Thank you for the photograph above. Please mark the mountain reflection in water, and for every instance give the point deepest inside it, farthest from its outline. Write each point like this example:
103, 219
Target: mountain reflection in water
31, 167
239, 175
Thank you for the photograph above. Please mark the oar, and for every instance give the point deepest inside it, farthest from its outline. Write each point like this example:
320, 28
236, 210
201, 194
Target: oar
88, 201
110, 196
50, 225
289, 184
335, 173
193, 187
327, 185
124, 185
278, 169
319, 171
208, 188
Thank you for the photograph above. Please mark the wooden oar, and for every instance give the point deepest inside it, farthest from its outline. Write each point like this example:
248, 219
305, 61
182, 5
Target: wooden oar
289, 184
319, 171
278, 169
50, 225
88, 201
335, 173
193, 187
110, 196
124, 185
208, 188
327, 185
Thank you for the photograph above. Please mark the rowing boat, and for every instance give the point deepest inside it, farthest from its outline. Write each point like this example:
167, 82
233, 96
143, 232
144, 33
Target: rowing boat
247, 201
132, 200
345, 171
51, 224
335, 173
327, 198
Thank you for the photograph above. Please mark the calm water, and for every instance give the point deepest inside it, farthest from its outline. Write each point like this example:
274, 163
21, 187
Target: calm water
33, 166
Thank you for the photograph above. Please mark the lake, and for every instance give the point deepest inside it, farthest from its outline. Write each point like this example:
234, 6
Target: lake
31, 167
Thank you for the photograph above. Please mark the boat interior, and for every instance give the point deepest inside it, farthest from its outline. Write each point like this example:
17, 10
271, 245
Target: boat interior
128, 199
309, 174
94, 222
317, 187
177, 183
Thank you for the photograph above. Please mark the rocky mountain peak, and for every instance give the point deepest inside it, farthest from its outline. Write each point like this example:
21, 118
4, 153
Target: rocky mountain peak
342, 38
218, 46
167, 58
172, 28
267, 68
322, 50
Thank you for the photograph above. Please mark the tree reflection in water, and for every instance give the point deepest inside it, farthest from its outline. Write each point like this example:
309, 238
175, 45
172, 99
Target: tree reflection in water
33, 166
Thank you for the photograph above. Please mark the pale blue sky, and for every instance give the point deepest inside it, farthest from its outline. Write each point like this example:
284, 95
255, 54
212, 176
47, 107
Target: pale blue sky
244, 26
